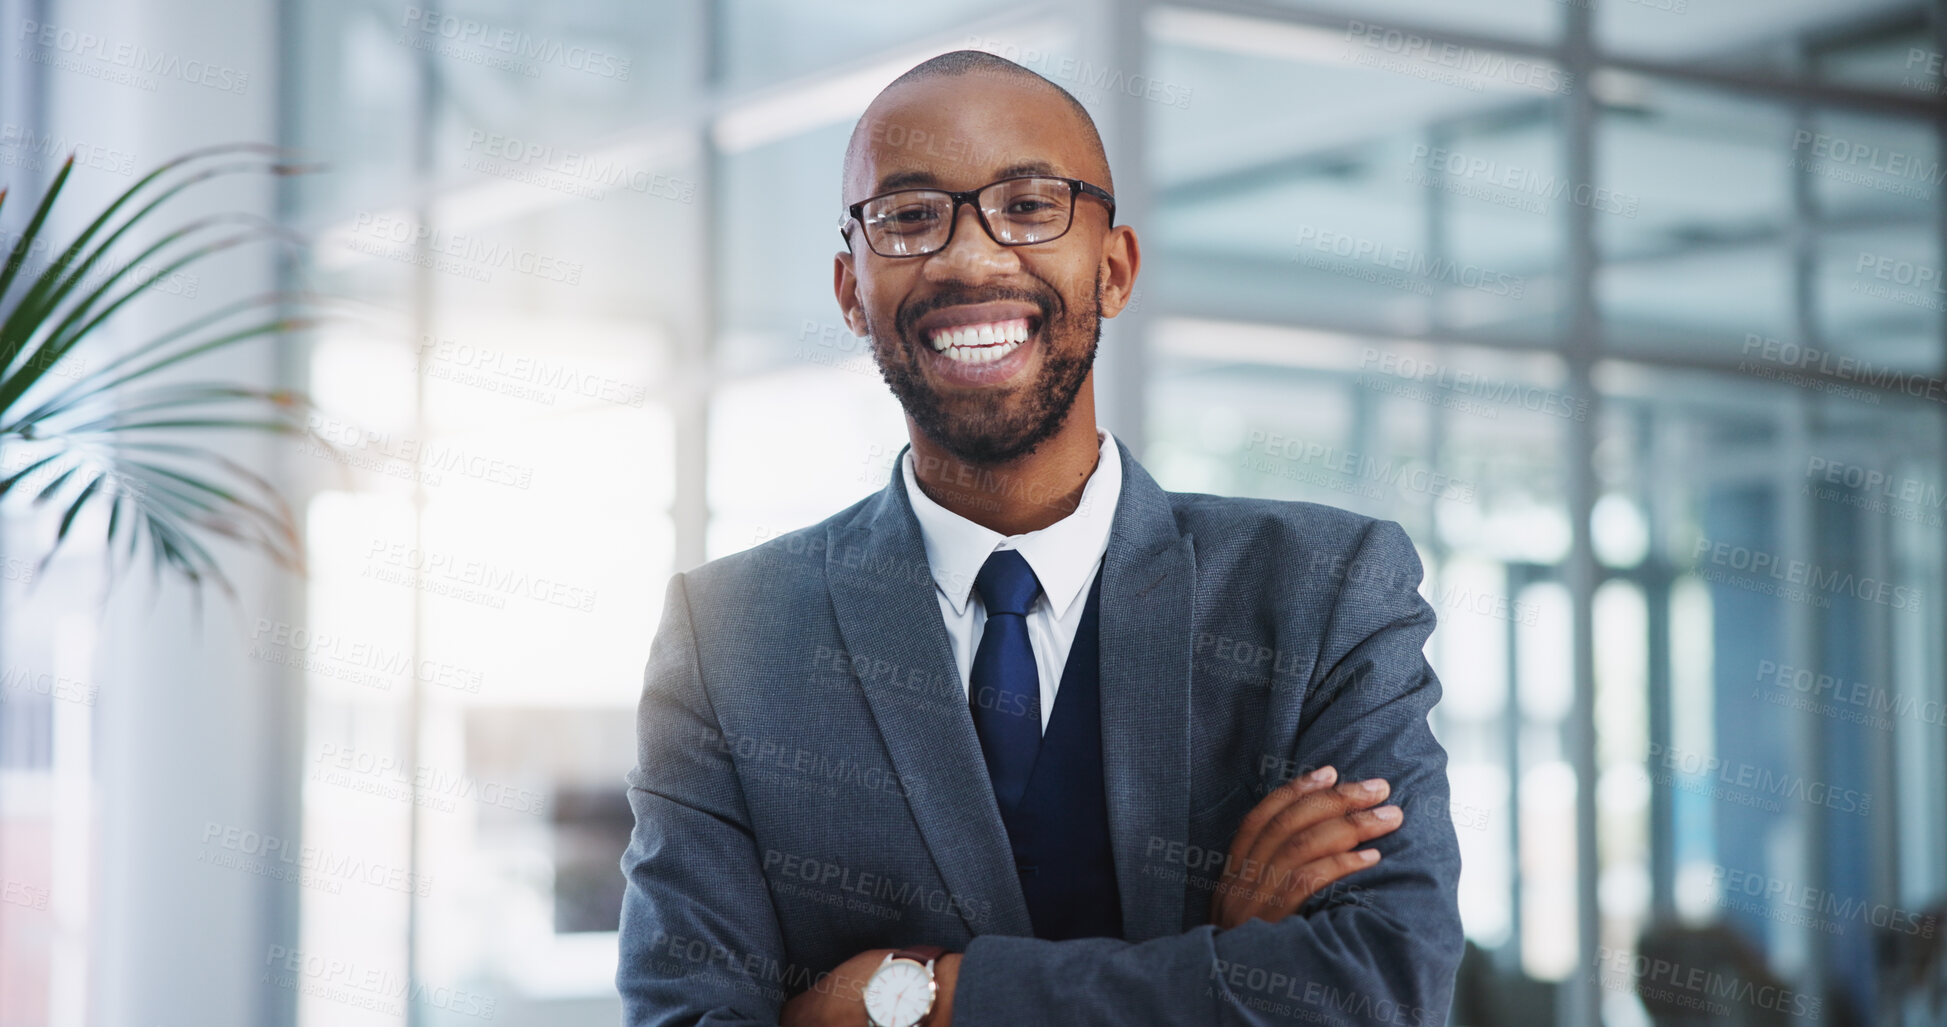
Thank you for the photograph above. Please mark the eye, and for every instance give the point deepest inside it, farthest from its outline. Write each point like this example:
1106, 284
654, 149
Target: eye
907, 218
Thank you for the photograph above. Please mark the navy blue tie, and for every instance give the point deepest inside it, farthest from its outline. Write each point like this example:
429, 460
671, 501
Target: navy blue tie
1005, 690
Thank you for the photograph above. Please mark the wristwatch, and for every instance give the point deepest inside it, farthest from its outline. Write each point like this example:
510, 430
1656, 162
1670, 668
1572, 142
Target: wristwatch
900, 992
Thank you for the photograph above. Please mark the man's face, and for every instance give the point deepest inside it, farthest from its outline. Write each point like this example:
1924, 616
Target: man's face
972, 391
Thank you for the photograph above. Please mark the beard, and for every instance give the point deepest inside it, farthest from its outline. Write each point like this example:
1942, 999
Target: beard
992, 427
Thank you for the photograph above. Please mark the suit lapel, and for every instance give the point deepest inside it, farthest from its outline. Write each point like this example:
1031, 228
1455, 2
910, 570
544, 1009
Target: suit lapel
1148, 595
883, 597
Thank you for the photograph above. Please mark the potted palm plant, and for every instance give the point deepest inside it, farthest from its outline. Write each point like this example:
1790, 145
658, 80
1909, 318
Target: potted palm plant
130, 431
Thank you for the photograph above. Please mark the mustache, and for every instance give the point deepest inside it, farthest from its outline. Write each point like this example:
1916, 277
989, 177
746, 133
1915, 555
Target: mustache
1048, 301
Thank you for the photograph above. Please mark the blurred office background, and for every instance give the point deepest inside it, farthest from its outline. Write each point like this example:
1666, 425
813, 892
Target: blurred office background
1629, 310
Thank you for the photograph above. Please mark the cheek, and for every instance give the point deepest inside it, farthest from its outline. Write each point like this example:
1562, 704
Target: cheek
879, 301
1076, 285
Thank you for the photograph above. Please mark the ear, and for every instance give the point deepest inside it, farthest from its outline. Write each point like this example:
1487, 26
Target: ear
845, 286
1121, 259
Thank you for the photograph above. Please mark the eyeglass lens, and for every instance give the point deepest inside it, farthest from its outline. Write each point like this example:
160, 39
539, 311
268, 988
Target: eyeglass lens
1018, 211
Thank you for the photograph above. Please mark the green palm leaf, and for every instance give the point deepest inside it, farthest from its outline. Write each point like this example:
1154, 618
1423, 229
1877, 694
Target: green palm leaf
118, 438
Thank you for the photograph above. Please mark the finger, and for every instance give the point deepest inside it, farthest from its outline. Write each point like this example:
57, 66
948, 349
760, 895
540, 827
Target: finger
1338, 835
1312, 809
1275, 802
1230, 895
1260, 895
1240, 900
1319, 874
1281, 889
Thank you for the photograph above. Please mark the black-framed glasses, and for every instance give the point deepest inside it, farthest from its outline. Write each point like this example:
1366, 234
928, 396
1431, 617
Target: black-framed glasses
1019, 211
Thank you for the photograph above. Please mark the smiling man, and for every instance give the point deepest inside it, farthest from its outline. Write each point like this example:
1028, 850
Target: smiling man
1023, 738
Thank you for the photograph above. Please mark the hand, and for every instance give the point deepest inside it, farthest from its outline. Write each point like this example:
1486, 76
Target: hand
1299, 839
838, 999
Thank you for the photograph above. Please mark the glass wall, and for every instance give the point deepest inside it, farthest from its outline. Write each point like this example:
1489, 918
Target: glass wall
1634, 325
514, 211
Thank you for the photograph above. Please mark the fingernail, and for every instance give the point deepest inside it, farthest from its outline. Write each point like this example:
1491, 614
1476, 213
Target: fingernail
1386, 814
1369, 787
1369, 855
1321, 776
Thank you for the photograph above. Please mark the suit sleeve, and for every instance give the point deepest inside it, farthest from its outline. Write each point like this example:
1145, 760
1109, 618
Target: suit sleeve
1377, 949
699, 942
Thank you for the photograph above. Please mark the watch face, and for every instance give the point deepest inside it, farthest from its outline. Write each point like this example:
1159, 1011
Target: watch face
899, 993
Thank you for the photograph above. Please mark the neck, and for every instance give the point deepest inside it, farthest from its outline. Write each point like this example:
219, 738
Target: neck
1017, 496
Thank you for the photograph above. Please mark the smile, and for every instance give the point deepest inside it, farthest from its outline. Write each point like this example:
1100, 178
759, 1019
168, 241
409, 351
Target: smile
981, 343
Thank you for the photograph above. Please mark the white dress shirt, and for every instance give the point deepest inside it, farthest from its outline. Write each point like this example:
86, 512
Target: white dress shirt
1064, 555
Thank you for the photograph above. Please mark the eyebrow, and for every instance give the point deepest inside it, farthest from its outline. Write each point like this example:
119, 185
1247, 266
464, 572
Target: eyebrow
916, 178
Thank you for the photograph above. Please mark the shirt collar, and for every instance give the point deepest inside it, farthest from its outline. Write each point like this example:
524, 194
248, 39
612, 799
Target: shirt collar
1063, 554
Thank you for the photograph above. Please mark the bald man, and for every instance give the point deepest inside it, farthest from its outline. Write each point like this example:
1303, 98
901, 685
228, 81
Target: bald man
1023, 738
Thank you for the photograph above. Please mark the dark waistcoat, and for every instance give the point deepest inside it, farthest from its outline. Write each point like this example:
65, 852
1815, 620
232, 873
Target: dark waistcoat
1060, 830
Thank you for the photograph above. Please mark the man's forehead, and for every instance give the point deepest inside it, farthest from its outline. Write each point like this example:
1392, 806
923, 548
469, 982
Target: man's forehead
963, 131
958, 174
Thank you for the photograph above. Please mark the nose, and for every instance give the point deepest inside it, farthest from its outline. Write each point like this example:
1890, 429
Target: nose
971, 254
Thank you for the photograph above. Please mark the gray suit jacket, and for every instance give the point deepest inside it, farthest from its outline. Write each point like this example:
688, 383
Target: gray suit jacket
809, 784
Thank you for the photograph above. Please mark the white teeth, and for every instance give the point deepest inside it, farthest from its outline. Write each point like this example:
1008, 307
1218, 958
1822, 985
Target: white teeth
982, 343
981, 354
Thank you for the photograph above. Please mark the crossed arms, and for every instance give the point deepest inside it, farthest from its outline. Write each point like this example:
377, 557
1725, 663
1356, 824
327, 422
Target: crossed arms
1303, 930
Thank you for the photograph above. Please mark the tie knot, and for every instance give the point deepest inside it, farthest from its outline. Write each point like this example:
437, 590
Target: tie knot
1006, 583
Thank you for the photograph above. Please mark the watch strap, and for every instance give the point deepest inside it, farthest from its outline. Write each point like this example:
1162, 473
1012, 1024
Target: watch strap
924, 954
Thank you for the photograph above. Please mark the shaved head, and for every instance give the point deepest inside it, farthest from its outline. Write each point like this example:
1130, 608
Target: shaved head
977, 64
989, 346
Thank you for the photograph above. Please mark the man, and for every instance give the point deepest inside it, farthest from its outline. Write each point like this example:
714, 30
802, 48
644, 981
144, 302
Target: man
1039, 729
